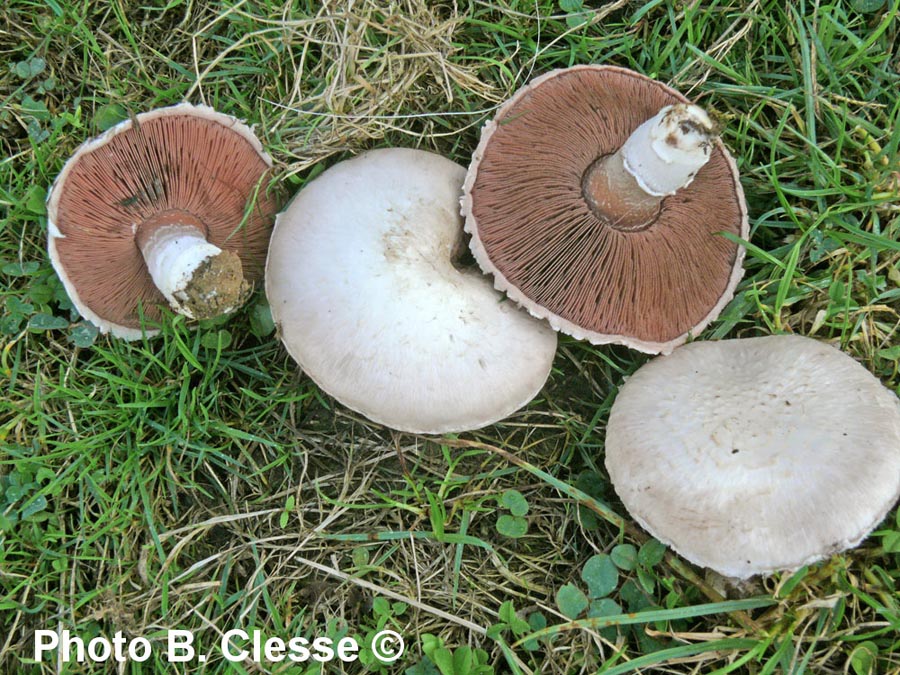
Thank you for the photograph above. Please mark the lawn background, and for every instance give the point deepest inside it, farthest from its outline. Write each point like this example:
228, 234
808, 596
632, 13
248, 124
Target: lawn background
198, 481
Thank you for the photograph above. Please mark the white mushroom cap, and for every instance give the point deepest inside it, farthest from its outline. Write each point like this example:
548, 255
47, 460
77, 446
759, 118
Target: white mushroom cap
362, 286
755, 455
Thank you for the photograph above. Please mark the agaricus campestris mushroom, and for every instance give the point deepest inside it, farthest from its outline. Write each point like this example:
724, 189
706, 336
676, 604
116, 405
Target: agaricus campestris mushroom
367, 299
754, 455
170, 206
597, 198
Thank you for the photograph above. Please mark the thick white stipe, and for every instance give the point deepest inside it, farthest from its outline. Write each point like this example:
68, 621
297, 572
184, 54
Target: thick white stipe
173, 253
666, 152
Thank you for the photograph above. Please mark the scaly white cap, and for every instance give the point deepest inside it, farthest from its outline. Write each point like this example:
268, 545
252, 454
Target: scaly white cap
755, 455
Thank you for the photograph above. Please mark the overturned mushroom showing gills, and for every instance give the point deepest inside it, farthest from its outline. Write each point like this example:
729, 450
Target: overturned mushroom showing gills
598, 199
170, 207
364, 291
755, 455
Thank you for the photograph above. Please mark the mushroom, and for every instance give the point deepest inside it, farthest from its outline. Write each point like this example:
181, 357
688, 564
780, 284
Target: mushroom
750, 456
367, 296
170, 205
597, 198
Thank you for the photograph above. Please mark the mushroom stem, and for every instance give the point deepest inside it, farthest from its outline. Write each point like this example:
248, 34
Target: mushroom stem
197, 278
659, 158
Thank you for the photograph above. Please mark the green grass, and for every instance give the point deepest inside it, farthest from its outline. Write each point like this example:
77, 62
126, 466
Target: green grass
198, 481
